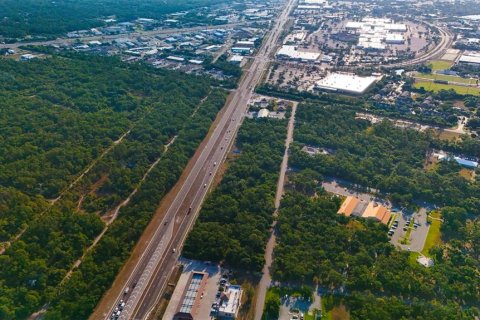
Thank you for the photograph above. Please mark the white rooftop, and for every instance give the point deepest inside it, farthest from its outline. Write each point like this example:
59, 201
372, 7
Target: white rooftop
293, 53
349, 83
470, 58
231, 305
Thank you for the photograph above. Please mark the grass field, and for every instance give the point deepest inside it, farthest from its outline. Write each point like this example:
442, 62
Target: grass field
440, 65
433, 236
446, 78
435, 87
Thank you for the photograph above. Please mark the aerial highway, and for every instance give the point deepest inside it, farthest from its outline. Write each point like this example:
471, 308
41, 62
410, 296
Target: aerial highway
145, 284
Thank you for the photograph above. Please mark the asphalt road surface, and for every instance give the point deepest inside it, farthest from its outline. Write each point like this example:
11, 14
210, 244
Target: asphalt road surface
149, 278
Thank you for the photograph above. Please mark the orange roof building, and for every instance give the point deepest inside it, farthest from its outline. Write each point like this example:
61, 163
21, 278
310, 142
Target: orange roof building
348, 206
378, 212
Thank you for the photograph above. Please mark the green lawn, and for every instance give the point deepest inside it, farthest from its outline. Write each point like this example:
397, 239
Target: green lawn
433, 237
435, 87
445, 77
440, 65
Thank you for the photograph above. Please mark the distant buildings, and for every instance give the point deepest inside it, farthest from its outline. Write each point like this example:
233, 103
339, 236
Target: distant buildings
374, 33
346, 83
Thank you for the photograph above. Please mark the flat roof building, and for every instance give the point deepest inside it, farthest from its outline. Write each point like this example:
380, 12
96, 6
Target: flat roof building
292, 52
346, 83
191, 297
470, 58
230, 302
374, 33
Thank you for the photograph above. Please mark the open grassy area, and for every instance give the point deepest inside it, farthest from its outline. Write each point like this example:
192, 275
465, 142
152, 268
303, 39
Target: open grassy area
440, 65
433, 236
435, 87
446, 78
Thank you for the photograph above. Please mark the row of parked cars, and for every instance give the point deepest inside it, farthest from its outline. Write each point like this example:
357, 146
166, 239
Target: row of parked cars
221, 287
405, 228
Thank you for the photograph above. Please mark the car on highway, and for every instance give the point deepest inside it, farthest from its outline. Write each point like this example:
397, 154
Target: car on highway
174, 250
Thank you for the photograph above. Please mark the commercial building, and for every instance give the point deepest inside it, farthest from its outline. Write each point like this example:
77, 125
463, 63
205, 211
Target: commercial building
241, 50
292, 52
467, 163
346, 83
230, 302
353, 206
348, 206
190, 301
236, 59
470, 58
245, 44
374, 33
378, 212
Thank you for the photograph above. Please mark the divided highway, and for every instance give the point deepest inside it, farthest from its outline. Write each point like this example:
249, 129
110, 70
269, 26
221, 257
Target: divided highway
146, 283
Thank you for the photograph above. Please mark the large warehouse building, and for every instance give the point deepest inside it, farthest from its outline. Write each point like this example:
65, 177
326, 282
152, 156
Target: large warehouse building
346, 83
292, 53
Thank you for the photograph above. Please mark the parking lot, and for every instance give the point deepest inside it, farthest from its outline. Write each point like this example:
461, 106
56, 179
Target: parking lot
418, 230
214, 275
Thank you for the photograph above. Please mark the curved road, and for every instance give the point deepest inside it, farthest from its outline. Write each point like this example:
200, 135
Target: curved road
438, 51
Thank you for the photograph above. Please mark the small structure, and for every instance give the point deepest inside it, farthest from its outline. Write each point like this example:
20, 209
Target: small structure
425, 261
263, 113
236, 59
27, 57
230, 302
174, 58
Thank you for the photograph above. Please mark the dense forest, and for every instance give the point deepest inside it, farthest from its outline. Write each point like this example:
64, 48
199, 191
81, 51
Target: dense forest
353, 259
53, 18
384, 157
238, 214
64, 115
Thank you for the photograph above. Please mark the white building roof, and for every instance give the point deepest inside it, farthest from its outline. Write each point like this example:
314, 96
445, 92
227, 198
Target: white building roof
470, 58
178, 59
394, 38
346, 83
263, 113
293, 53
314, 1
236, 58
231, 306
